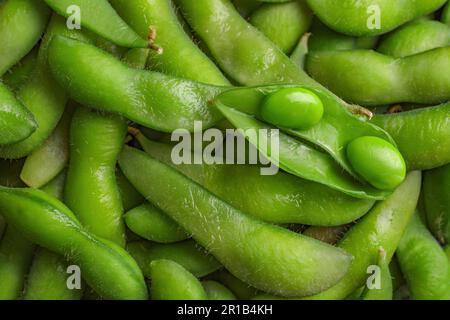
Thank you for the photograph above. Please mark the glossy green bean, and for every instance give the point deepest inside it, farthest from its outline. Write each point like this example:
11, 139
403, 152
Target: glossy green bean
421, 135
95, 143
280, 198
424, 263
16, 122
131, 198
436, 186
22, 23
99, 17
415, 37
382, 227
47, 161
177, 47
152, 224
55, 188
213, 223
186, 253
49, 223
42, 96
19, 74
415, 79
283, 23
170, 281
130, 92
355, 18
47, 278
217, 291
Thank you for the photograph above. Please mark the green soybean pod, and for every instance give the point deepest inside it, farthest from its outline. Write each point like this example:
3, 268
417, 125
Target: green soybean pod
370, 17
157, 101
416, 79
383, 227
323, 39
49, 223
436, 186
242, 290
21, 71
447, 250
16, 122
213, 222
99, 17
421, 135
246, 7
382, 289
415, 37
279, 198
42, 96
283, 23
176, 45
47, 161
16, 254
152, 224
217, 291
22, 23
95, 143
170, 281
47, 279
131, 198
424, 264
186, 253
446, 14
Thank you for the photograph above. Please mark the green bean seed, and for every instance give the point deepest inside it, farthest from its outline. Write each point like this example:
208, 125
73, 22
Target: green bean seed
292, 108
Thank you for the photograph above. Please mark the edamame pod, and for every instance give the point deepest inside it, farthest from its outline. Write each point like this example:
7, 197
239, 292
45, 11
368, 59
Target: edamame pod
369, 78
95, 143
99, 17
47, 279
47, 161
279, 198
370, 17
325, 39
46, 221
424, 264
415, 37
382, 227
42, 96
446, 14
242, 290
19, 74
283, 23
246, 7
217, 291
213, 224
299, 159
176, 46
436, 186
22, 23
16, 122
149, 98
170, 281
421, 135
129, 195
186, 253
152, 224
332, 133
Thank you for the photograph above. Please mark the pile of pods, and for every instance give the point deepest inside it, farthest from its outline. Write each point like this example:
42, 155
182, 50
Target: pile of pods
93, 205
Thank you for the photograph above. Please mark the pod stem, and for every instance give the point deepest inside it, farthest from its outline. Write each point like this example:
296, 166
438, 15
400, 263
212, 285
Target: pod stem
151, 38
